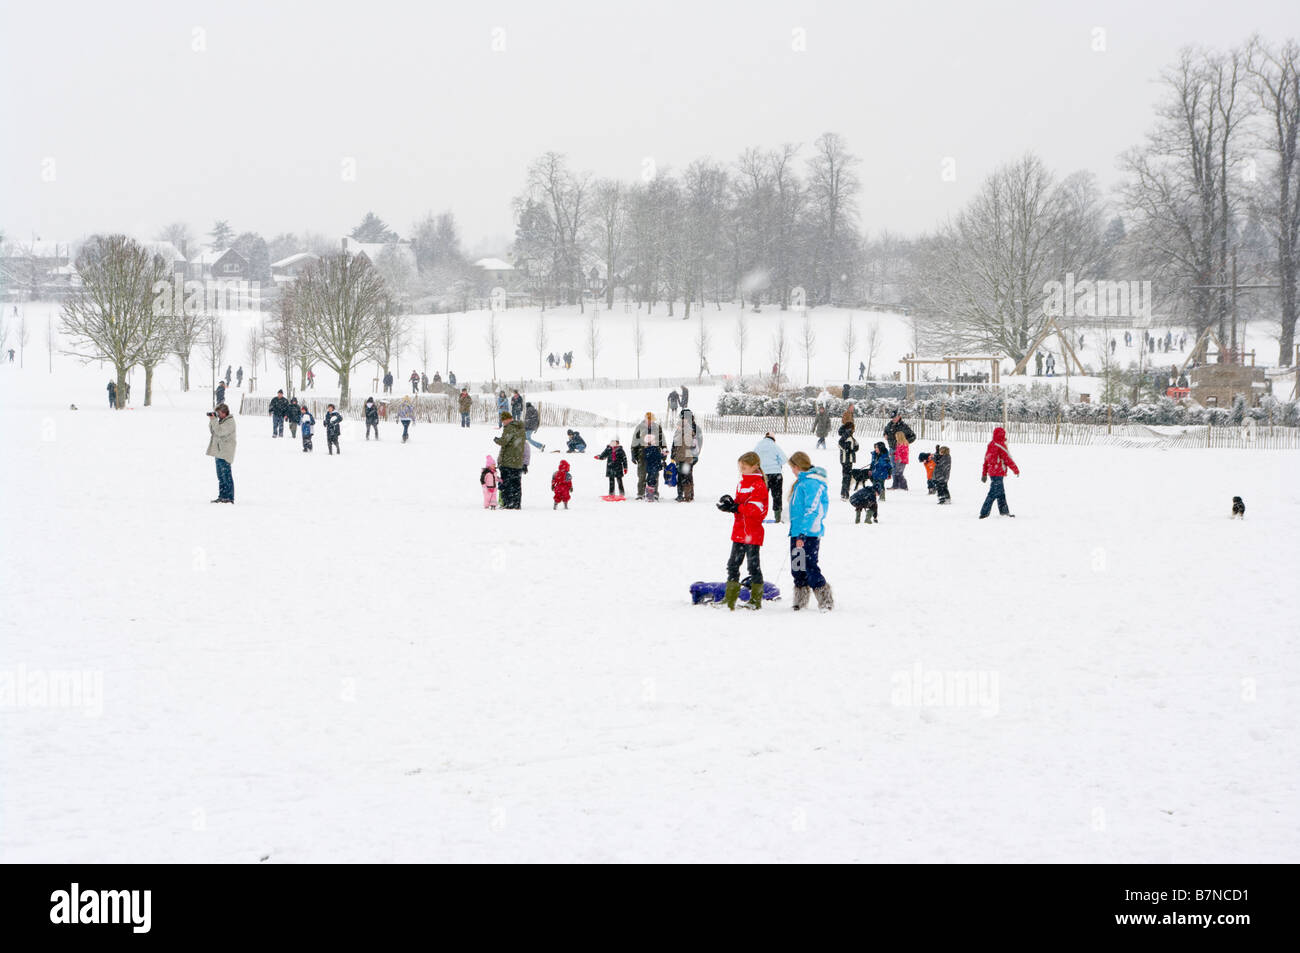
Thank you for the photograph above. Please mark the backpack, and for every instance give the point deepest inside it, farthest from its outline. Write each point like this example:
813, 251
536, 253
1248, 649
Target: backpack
483, 478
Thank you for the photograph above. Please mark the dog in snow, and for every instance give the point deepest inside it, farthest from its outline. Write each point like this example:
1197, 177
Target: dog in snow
1238, 508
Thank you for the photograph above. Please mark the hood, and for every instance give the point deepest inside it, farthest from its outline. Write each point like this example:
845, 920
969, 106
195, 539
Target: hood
490, 463
564, 466
816, 473
999, 435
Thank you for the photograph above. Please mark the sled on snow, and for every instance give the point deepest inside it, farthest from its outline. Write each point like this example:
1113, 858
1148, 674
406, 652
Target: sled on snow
706, 592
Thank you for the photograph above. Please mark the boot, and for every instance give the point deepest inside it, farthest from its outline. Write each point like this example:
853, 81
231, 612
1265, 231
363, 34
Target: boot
858, 517
566, 504
555, 506
733, 593
756, 595
825, 601
801, 594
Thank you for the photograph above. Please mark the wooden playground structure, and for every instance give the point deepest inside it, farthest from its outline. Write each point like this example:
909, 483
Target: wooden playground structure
953, 362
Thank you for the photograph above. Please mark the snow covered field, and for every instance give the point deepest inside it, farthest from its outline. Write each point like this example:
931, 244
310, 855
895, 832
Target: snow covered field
356, 662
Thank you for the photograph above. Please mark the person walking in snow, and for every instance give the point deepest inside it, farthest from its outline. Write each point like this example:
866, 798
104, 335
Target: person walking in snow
221, 391
333, 427
424, 383
489, 479
517, 406
902, 450
308, 423
415, 382
686, 396
372, 417
996, 462
293, 417
562, 485
406, 416
388, 382
772, 461
278, 409
673, 402
112, 394
503, 408
809, 503
652, 455
464, 403
862, 371
895, 430
239, 377
881, 468
687, 442
822, 425
615, 466
532, 422
221, 444
749, 506
942, 471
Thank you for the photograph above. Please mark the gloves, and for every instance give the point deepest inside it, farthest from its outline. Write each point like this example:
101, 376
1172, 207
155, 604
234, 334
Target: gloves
984, 478
726, 504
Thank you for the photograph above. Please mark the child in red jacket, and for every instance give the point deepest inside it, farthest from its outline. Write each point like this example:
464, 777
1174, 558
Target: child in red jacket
562, 485
996, 461
749, 506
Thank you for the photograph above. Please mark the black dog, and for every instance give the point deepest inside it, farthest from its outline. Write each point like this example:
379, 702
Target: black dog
1238, 508
861, 477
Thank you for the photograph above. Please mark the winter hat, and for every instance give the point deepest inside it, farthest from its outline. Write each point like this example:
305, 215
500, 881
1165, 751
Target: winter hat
564, 466
490, 463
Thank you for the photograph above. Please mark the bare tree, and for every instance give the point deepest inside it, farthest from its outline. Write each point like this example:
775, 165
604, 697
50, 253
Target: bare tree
24, 335
780, 348
493, 342
254, 345
593, 343
873, 345
703, 341
449, 341
1276, 80
49, 340
393, 329
214, 343
807, 344
610, 209
424, 348
341, 301
540, 340
833, 188
113, 317
850, 342
742, 339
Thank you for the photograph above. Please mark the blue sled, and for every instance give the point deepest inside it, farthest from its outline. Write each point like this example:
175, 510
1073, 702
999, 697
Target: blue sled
703, 592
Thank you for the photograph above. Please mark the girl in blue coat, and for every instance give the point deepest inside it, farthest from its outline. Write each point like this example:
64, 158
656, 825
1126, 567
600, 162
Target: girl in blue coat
810, 499
881, 468
308, 424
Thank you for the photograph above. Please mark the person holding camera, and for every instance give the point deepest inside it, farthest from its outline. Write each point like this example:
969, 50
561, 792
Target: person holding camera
221, 445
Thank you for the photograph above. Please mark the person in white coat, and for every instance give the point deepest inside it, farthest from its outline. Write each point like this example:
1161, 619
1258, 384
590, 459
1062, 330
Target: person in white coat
772, 459
221, 444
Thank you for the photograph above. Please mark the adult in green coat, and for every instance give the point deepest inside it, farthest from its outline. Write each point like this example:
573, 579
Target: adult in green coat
510, 461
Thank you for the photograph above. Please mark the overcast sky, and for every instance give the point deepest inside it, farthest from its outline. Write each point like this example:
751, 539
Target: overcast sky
256, 126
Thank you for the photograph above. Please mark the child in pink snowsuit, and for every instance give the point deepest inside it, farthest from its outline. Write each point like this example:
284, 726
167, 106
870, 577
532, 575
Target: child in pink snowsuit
489, 480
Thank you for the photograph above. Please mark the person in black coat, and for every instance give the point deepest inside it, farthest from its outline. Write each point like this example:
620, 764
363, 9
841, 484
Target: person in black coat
848, 456
221, 392
295, 415
279, 408
942, 471
333, 427
388, 382
517, 406
372, 417
112, 394
576, 443
615, 465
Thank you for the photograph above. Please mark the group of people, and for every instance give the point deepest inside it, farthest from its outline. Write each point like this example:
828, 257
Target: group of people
420, 381
284, 411
564, 360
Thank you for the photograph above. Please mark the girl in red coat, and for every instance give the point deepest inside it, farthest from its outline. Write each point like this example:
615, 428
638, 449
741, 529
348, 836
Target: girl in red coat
749, 506
996, 461
562, 485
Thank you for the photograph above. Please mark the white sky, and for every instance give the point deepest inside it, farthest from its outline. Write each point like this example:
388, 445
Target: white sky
144, 130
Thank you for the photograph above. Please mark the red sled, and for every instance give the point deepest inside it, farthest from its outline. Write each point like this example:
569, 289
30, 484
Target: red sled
614, 499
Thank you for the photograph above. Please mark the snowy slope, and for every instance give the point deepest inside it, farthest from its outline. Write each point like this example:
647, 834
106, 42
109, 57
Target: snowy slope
356, 662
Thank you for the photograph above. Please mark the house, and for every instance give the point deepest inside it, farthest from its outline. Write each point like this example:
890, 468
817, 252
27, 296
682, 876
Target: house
225, 264
492, 273
26, 268
287, 269
374, 250
170, 254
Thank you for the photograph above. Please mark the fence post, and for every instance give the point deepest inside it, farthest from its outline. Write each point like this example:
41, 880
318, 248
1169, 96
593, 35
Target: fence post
923, 421
1208, 428
786, 425
1057, 437
1108, 420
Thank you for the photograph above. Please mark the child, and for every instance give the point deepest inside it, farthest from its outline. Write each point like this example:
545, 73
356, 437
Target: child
942, 470
881, 468
576, 443
864, 501
372, 417
308, 424
670, 474
295, 417
749, 506
615, 466
333, 426
902, 453
654, 461
848, 455
927, 461
488, 479
406, 416
562, 485
996, 461
809, 501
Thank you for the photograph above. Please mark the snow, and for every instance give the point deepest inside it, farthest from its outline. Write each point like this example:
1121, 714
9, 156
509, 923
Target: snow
357, 662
